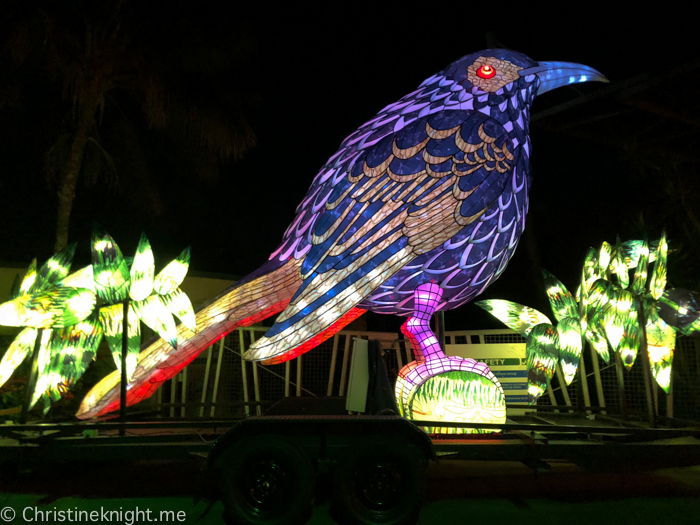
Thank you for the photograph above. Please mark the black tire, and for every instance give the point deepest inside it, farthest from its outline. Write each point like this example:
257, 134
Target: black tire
266, 480
380, 481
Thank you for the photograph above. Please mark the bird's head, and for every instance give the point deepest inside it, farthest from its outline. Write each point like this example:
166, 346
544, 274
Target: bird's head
497, 82
493, 75
500, 83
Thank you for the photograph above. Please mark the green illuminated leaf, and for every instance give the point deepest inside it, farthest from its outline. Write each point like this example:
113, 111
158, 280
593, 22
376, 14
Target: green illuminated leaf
598, 297
154, 314
57, 266
142, 271
631, 251
640, 273
658, 278
590, 269
83, 278
594, 336
631, 338
618, 265
44, 360
563, 303
515, 316
110, 270
589, 274
18, 350
29, 279
172, 275
661, 344
604, 258
72, 349
542, 355
55, 308
618, 319
180, 306
570, 346
112, 321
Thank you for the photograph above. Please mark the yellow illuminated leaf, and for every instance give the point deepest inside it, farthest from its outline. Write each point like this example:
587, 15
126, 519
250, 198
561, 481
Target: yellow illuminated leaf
56, 308
19, 349
112, 322
42, 382
142, 270
658, 278
180, 306
515, 316
110, 270
155, 315
172, 275
72, 349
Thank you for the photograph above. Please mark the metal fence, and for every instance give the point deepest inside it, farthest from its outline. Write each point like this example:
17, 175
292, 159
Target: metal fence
219, 383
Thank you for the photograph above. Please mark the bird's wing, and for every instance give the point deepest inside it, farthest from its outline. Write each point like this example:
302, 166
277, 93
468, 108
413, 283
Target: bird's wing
403, 197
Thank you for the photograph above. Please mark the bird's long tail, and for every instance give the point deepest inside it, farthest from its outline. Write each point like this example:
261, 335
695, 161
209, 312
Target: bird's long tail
242, 305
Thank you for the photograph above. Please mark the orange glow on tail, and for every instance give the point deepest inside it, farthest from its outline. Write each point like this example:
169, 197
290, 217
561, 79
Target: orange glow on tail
244, 305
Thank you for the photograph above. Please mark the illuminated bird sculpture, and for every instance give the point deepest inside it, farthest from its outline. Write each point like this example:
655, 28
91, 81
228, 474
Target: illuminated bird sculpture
434, 189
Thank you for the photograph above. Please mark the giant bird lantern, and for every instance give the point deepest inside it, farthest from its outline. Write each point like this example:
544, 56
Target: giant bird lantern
428, 197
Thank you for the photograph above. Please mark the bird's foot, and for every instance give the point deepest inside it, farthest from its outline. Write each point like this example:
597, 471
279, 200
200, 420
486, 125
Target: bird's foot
417, 328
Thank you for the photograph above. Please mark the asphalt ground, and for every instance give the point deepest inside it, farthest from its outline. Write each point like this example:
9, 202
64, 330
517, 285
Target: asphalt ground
457, 492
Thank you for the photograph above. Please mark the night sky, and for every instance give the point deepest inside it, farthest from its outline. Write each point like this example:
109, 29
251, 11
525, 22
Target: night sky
318, 75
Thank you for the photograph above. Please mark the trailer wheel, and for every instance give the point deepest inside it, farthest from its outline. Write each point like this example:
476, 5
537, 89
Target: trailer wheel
379, 481
266, 480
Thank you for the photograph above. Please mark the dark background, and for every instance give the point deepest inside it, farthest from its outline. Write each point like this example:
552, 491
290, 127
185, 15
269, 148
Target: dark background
314, 75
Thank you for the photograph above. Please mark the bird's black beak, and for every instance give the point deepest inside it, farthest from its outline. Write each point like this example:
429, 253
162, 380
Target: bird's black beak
556, 74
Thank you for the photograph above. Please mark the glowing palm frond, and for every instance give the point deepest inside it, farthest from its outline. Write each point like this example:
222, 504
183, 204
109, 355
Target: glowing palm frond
594, 336
18, 350
661, 344
570, 346
599, 296
515, 316
142, 270
56, 308
71, 349
589, 274
604, 258
155, 315
83, 278
632, 250
180, 306
658, 278
110, 269
112, 322
618, 265
29, 279
631, 338
43, 362
172, 275
641, 272
54, 269
542, 356
561, 300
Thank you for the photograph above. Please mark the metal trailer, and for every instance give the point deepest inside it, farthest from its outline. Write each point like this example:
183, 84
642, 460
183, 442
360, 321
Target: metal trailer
265, 468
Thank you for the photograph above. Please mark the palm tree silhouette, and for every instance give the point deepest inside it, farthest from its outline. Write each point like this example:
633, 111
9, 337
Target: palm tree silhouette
119, 79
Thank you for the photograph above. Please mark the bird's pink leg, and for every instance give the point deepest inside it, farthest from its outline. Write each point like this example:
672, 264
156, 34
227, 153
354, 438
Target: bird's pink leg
417, 328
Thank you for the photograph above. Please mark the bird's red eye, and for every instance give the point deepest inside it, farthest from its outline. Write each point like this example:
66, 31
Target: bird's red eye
486, 71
